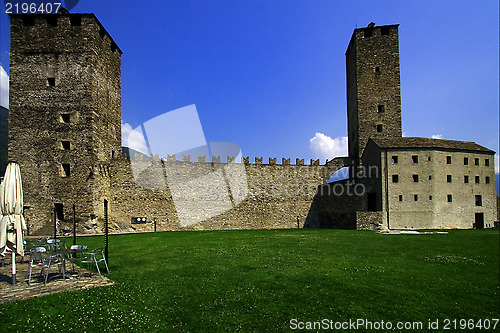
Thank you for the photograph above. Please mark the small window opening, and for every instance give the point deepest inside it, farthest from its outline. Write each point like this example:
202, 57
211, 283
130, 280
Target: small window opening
66, 145
102, 32
477, 180
479, 200
415, 197
368, 32
429, 158
75, 21
395, 178
450, 198
414, 159
400, 197
65, 118
448, 178
380, 108
448, 159
430, 177
59, 210
476, 161
384, 30
466, 179
415, 178
377, 69
394, 160
466, 161
487, 180
430, 197
29, 21
52, 20
51, 81
487, 162
66, 170
379, 128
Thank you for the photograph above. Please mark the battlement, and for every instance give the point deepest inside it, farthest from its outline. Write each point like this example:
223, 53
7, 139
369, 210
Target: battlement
74, 26
217, 160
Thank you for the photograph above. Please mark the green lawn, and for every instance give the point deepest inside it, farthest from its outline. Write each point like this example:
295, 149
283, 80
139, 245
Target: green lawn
259, 280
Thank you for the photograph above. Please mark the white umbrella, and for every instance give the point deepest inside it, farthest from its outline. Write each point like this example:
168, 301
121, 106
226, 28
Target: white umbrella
12, 221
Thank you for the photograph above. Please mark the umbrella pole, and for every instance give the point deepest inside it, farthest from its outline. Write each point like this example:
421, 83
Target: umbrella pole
13, 268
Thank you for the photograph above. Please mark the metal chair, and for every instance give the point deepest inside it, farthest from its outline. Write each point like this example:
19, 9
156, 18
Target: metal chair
95, 257
77, 256
40, 258
53, 243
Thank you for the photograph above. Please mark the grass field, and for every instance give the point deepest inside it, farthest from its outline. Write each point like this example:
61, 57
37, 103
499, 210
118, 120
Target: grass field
259, 280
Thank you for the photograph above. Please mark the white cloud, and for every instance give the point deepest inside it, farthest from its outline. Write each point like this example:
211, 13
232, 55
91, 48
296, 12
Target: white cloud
4, 88
324, 147
133, 138
497, 163
437, 136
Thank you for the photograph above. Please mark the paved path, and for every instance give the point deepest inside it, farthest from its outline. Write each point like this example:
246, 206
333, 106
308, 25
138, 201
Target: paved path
82, 279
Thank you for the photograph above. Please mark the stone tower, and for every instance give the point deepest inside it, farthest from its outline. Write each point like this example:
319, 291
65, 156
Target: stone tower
65, 113
373, 86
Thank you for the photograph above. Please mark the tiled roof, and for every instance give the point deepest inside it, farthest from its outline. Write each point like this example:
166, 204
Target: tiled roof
413, 142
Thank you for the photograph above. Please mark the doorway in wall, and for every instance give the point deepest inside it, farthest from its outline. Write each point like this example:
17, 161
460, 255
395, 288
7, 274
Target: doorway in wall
479, 220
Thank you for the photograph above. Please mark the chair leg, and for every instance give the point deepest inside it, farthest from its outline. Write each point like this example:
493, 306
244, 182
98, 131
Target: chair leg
105, 263
97, 265
29, 278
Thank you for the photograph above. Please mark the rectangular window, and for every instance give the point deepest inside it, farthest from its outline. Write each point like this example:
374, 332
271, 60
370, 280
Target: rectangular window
394, 160
379, 128
51, 81
65, 170
414, 159
466, 161
65, 118
66, 145
400, 197
477, 180
466, 179
448, 159
448, 178
377, 69
487, 162
476, 161
450, 198
430, 197
479, 200
429, 158
430, 177
395, 178
380, 108
415, 197
415, 178
59, 210
487, 180
75, 20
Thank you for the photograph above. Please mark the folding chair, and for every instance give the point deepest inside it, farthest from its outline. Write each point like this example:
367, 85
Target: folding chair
95, 257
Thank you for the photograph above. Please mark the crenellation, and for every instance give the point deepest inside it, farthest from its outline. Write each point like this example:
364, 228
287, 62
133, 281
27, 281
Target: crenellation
285, 161
186, 158
272, 161
216, 159
231, 159
201, 159
171, 158
258, 160
299, 161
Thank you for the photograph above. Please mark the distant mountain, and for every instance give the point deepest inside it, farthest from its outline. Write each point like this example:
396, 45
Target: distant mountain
4, 135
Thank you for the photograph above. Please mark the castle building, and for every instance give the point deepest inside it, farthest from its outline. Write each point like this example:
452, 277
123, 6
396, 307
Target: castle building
65, 133
408, 183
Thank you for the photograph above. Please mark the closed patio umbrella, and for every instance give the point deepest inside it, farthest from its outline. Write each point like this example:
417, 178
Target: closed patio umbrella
12, 221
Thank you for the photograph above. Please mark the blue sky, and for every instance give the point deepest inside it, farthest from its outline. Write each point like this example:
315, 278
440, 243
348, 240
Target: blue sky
269, 75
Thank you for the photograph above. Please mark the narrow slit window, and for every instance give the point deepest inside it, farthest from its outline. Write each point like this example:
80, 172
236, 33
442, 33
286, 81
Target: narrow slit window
479, 200
476, 161
450, 198
487, 180
400, 197
51, 81
379, 128
466, 161
66, 170
414, 159
65, 118
430, 197
448, 178
477, 180
448, 159
415, 197
430, 177
377, 69
381, 108
66, 145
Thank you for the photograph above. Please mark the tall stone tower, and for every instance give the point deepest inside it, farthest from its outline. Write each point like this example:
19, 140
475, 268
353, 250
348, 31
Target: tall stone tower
65, 113
373, 86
